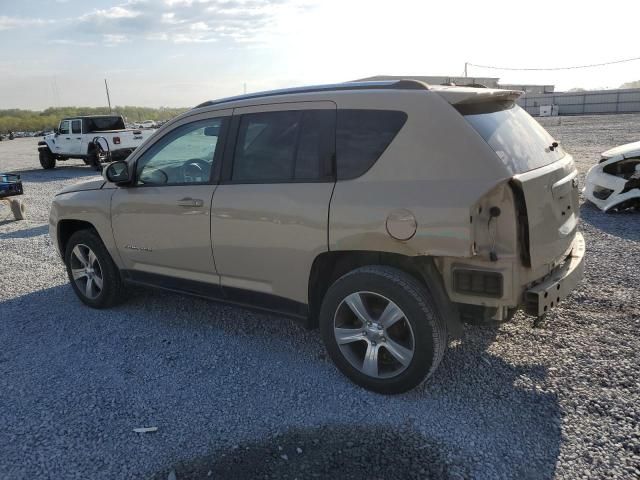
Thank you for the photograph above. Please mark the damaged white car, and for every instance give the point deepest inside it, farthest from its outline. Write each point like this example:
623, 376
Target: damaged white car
614, 183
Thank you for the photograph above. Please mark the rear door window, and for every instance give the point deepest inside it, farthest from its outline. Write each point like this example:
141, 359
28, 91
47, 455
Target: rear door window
284, 146
361, 138
76, 126
517, 138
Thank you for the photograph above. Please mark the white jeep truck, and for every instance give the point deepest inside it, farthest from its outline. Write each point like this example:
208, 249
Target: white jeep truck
74, 139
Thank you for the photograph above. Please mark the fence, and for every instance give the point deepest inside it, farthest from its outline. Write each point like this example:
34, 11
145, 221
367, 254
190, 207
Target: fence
585, 103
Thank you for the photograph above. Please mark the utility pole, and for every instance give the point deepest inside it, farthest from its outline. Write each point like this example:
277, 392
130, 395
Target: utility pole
106, 86
465, 69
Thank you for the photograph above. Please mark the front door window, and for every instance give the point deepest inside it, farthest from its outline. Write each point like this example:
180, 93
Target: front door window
185, 156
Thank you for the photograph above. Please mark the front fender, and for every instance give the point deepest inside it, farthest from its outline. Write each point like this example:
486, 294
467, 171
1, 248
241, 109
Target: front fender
88, 206
42, 144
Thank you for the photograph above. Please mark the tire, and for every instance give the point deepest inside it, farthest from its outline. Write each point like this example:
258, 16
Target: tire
111, 292
17, 208
92, 159
47, 160
419, 324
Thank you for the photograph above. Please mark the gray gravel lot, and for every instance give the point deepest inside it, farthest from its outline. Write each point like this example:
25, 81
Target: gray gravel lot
236, 394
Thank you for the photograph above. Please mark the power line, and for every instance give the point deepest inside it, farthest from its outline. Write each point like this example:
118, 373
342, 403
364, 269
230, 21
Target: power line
555, 68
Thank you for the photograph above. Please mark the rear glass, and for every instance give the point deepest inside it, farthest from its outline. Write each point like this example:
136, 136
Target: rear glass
520, 142
101, 124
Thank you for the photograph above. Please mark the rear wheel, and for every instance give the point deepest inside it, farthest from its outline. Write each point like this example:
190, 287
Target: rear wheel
382, 329
92, 273
47, 160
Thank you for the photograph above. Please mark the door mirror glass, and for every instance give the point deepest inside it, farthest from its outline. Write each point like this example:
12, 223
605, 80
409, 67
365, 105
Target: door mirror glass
117, 172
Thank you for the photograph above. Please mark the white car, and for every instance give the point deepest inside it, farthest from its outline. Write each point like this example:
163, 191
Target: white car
614, 183
74, 139
146, 124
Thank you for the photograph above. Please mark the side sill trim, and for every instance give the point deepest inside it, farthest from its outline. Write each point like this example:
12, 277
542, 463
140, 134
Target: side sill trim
259, 301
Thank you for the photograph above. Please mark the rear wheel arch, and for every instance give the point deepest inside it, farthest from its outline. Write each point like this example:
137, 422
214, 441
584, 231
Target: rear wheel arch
330, 266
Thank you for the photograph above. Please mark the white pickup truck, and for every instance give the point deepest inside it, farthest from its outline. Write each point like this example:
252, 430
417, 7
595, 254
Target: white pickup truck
74, 139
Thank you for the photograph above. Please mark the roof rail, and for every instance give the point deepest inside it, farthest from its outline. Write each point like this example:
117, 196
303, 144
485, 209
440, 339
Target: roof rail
377, 85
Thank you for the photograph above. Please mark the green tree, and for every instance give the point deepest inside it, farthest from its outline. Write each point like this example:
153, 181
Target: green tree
30, 121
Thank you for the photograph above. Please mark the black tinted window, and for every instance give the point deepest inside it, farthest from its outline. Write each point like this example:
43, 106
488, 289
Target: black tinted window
284, 146
316, 145
76, 126
362, 136
101, 124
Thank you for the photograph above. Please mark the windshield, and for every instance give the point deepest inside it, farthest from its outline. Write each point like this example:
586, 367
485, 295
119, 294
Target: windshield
520, 141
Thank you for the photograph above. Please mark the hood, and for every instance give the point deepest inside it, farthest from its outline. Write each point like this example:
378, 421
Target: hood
51, 136
627, 150
83, 186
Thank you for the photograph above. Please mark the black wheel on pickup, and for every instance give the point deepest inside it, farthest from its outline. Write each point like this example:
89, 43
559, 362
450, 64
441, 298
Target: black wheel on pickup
47, 159
92, 158
383, 329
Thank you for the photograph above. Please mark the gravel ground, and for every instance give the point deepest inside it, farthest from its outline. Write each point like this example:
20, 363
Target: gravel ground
237, 394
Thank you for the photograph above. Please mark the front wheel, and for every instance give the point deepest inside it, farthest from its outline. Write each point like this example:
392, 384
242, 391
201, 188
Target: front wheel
93, 275
382, 329
47, 160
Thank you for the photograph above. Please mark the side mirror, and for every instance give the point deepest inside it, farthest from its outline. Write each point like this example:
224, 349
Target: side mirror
117, 172
55, 130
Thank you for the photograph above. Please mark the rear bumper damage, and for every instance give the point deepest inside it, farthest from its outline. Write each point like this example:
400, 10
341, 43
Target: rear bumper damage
545, 295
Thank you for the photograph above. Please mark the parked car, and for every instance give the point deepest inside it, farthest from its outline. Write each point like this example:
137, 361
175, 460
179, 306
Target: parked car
74, 139
146, 124
383, 212
613, 184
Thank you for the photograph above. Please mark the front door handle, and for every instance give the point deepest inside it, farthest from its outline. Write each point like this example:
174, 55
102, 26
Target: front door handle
190, 202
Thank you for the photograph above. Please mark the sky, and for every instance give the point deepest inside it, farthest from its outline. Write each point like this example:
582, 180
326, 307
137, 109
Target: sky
179, 53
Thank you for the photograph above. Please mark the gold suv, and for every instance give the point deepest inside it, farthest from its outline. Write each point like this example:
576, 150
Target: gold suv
383, 212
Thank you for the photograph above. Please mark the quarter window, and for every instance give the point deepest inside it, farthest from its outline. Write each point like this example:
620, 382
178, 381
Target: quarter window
184, 156
362, 136
285, 146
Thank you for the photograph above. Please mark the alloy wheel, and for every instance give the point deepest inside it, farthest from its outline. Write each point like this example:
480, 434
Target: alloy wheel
86, 271
374, 334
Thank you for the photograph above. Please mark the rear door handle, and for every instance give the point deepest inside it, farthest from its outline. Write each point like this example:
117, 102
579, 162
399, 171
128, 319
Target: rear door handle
190, 202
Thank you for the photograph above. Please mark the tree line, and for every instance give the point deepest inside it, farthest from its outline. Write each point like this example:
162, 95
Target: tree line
17, 120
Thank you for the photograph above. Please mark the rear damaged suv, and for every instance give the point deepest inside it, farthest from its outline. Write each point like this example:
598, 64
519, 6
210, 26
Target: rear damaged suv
383, 212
